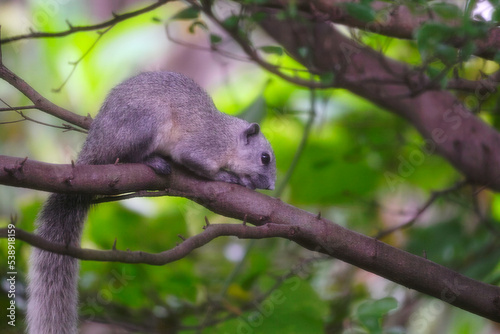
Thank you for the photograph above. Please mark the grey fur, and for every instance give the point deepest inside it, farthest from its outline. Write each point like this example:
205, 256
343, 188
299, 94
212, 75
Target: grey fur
144, 119
53, 280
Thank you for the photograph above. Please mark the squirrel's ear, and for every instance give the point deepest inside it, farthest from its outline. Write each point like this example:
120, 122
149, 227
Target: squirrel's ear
252, 130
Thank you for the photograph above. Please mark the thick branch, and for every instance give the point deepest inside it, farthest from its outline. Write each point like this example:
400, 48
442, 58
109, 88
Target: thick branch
308, 230
104, 180
447, 126
395, 21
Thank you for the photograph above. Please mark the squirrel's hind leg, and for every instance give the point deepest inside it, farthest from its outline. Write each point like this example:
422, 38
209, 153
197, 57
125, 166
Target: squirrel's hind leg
158, 163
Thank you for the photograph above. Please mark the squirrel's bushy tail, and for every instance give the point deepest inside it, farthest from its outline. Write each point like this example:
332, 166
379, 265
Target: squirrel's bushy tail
53, 278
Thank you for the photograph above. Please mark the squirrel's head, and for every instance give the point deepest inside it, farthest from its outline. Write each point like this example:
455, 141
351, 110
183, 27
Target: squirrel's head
254, 162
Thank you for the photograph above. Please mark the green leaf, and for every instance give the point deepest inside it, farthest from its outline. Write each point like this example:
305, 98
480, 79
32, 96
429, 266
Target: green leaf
467, 50
473, 29
447, 10
293, 308
292, 10
496, 15
436, 73
447, 54
303, 51
327, 78
432, 72
197, 23
258, 16
431, 39
370, 313
272, 49
189, 13
360, 11
215, 39
281, 15
497, 57
231, 22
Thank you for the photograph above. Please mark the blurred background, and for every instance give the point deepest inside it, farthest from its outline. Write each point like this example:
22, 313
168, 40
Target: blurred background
361, 167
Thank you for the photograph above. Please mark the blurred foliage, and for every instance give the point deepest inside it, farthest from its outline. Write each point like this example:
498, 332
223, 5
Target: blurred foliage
362, 167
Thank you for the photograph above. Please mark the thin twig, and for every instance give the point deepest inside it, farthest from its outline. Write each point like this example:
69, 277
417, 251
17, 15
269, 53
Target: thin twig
233, 56
245, 45
117, 18
17, 108
65, 127
41, 102
186, 247
212, 48
1, 59
219, 305
486, 221
432, 198
76, 63
302, 144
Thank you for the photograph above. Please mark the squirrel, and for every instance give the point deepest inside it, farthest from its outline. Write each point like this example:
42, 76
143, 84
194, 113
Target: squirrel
150, 118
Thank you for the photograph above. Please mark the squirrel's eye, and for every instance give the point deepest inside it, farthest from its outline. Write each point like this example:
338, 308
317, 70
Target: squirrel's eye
265, 158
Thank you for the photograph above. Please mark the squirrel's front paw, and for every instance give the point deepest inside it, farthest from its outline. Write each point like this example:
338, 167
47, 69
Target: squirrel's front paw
228, 177
233, 178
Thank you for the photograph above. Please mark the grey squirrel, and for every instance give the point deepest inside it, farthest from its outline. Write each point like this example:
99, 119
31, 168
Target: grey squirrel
145, 119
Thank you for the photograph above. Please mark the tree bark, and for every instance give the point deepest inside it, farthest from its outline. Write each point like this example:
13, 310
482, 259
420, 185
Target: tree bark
448, 127
309, 230
397, 21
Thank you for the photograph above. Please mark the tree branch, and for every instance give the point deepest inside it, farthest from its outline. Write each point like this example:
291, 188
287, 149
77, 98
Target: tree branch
117, 18
75, 64
432, 198
395, 21
447, 126
309, 230
254, 55
65, 127
483, 87
211, 232
41, 102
